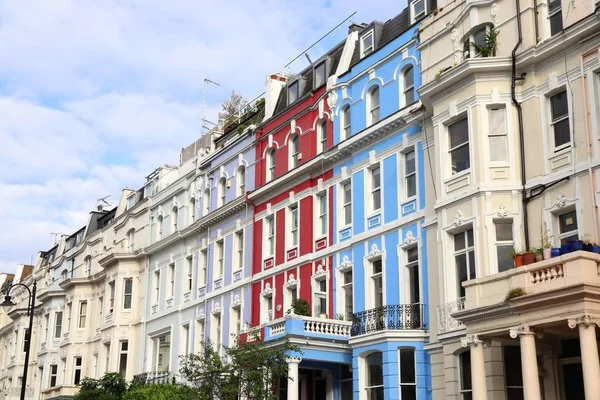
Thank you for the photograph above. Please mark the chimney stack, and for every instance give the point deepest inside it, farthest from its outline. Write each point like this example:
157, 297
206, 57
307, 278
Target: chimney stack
273, 86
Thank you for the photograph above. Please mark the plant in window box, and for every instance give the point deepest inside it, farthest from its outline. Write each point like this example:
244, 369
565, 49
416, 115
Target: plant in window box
575, 245
515, 292
300, 307
518, 257
488, 49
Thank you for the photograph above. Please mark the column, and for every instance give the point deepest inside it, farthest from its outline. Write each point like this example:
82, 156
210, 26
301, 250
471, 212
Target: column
293, 377
478, 379
589, 354
529, 366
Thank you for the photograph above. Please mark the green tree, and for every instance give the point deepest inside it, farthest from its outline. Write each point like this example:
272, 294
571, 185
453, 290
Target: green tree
111, 386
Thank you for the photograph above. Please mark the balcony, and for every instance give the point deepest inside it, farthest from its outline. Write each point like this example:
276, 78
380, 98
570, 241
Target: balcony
558, 275
392, 317
446, 323
155, 377
307, 327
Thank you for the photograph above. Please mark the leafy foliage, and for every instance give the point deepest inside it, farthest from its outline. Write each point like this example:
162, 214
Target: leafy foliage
491, 44
249, 370
112, 386
160, 392
301, 307
233, 105
515, 292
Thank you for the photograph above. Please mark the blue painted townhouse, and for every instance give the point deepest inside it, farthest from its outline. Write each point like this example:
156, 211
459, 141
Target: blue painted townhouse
380, 278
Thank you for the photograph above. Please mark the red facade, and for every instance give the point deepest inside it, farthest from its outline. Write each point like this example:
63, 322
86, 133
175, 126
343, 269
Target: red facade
290, 189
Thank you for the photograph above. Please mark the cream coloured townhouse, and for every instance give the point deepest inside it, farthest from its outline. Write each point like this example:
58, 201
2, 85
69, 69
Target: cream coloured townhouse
511, 89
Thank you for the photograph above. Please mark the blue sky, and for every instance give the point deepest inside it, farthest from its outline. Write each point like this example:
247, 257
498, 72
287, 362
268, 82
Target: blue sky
95, 94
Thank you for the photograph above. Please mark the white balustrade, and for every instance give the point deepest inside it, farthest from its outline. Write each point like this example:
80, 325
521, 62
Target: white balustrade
327, 326
278, 328
445, 321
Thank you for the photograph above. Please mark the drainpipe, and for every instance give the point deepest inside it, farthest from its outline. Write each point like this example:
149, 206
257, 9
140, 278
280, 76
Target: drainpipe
251, 203
586, 124
520, 120
535, 21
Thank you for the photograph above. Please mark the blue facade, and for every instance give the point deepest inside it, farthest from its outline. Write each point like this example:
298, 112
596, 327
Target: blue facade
383, 260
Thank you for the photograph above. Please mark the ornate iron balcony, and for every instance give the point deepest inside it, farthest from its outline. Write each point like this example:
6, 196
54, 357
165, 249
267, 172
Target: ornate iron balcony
155, 377
392, 317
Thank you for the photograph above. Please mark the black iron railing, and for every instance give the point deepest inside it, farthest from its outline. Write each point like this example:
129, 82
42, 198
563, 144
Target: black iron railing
155, 377
393, 317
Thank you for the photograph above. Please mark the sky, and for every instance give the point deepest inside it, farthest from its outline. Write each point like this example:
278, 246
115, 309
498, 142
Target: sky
96, 94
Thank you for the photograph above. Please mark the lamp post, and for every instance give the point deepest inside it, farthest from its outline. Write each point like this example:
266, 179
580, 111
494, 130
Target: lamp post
30, 307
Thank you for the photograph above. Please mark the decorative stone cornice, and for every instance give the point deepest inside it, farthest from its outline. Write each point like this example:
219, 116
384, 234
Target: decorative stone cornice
375, 251
216, 309
473, 341
293, 359
291, 281
345, 264
236, 301
320, 272
583, 320
409, 239
267, 291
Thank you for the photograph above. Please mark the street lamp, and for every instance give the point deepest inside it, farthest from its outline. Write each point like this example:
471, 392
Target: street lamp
30, 307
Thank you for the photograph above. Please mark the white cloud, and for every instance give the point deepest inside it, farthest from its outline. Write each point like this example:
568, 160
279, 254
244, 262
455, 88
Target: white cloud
95, 94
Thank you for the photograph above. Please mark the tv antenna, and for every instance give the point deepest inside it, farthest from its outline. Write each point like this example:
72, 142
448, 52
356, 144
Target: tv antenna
56, 235
102, 202
206, 83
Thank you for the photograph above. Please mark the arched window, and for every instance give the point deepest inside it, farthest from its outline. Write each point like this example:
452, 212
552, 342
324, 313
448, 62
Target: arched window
88, 266
241, 181
206, 201
322, 135
222, 191
174, 218
408, 79
346, 117
374, 105
374, 376
294, 151
64, 275
475, 44
270, 164
192, 210
159, 228
130, 239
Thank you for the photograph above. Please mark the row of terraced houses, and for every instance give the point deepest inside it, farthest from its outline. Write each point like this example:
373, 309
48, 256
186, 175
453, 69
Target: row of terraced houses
387, 185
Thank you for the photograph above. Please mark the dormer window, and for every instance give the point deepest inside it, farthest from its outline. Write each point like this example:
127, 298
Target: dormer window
366, 44
292, 92
319, 77
418, 11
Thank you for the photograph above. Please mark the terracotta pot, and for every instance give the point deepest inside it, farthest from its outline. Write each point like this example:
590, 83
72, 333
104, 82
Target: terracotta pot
519, 260
528, 258
547, 253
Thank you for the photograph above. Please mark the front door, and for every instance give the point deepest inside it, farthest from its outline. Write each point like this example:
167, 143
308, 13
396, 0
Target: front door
573, 382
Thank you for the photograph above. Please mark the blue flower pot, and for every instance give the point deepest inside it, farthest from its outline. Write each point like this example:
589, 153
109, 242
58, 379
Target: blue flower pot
555, 252
576, 245
596, 249
564, 249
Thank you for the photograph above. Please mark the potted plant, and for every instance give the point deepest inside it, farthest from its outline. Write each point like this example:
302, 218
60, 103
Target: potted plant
339, 316
515, 292
576, 245
488, 49
537, 254
518, 257
587, 242
545, 245
300, 307
528, 257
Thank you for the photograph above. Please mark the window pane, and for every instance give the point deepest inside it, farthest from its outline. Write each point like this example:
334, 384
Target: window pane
460, 159
498, 148
407, 366
470, 238
496, 119
375, 97
410, 162
419, 7
376, 266
409, 392
459, 241
512, 366
376, 178
504, 230
471, 264
461, 271
412, 254
465, 370
459, 133
561, 132
559, 105
347, 277
409, 78
568, 222
556, 23
479, 37
411, 186
374, 369
415, 290
505, 258
320, 75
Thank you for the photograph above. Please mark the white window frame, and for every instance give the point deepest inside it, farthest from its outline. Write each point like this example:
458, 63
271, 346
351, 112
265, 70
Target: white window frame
124, 352
490, 109
269, 299
375, 192
77, 368
563, 235
219, 258
294, 150
365, 365
159, 229
236, 320
365, 49
320, 294
322, 135
472, 53
412, 267
174, 218
373, 277
203, 268
241, 181
171, 291
293, 88
222, 191
374, 102
217, 331
553, 121
112, 291
346, 217
189, 260
192, 205
239, 246
553, 13
322, 64
200, 335
270, 172
156, 294
409, 175
288, 294
414, 361
346, 122
466, 250
294, 224
58, 323
88, 266
462, 391
206, 199
322, 210
503, 243
270, 235
185, 339
346, 287
126, 294
408, 89
82, 317
53, 375
417, 17
467, 143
